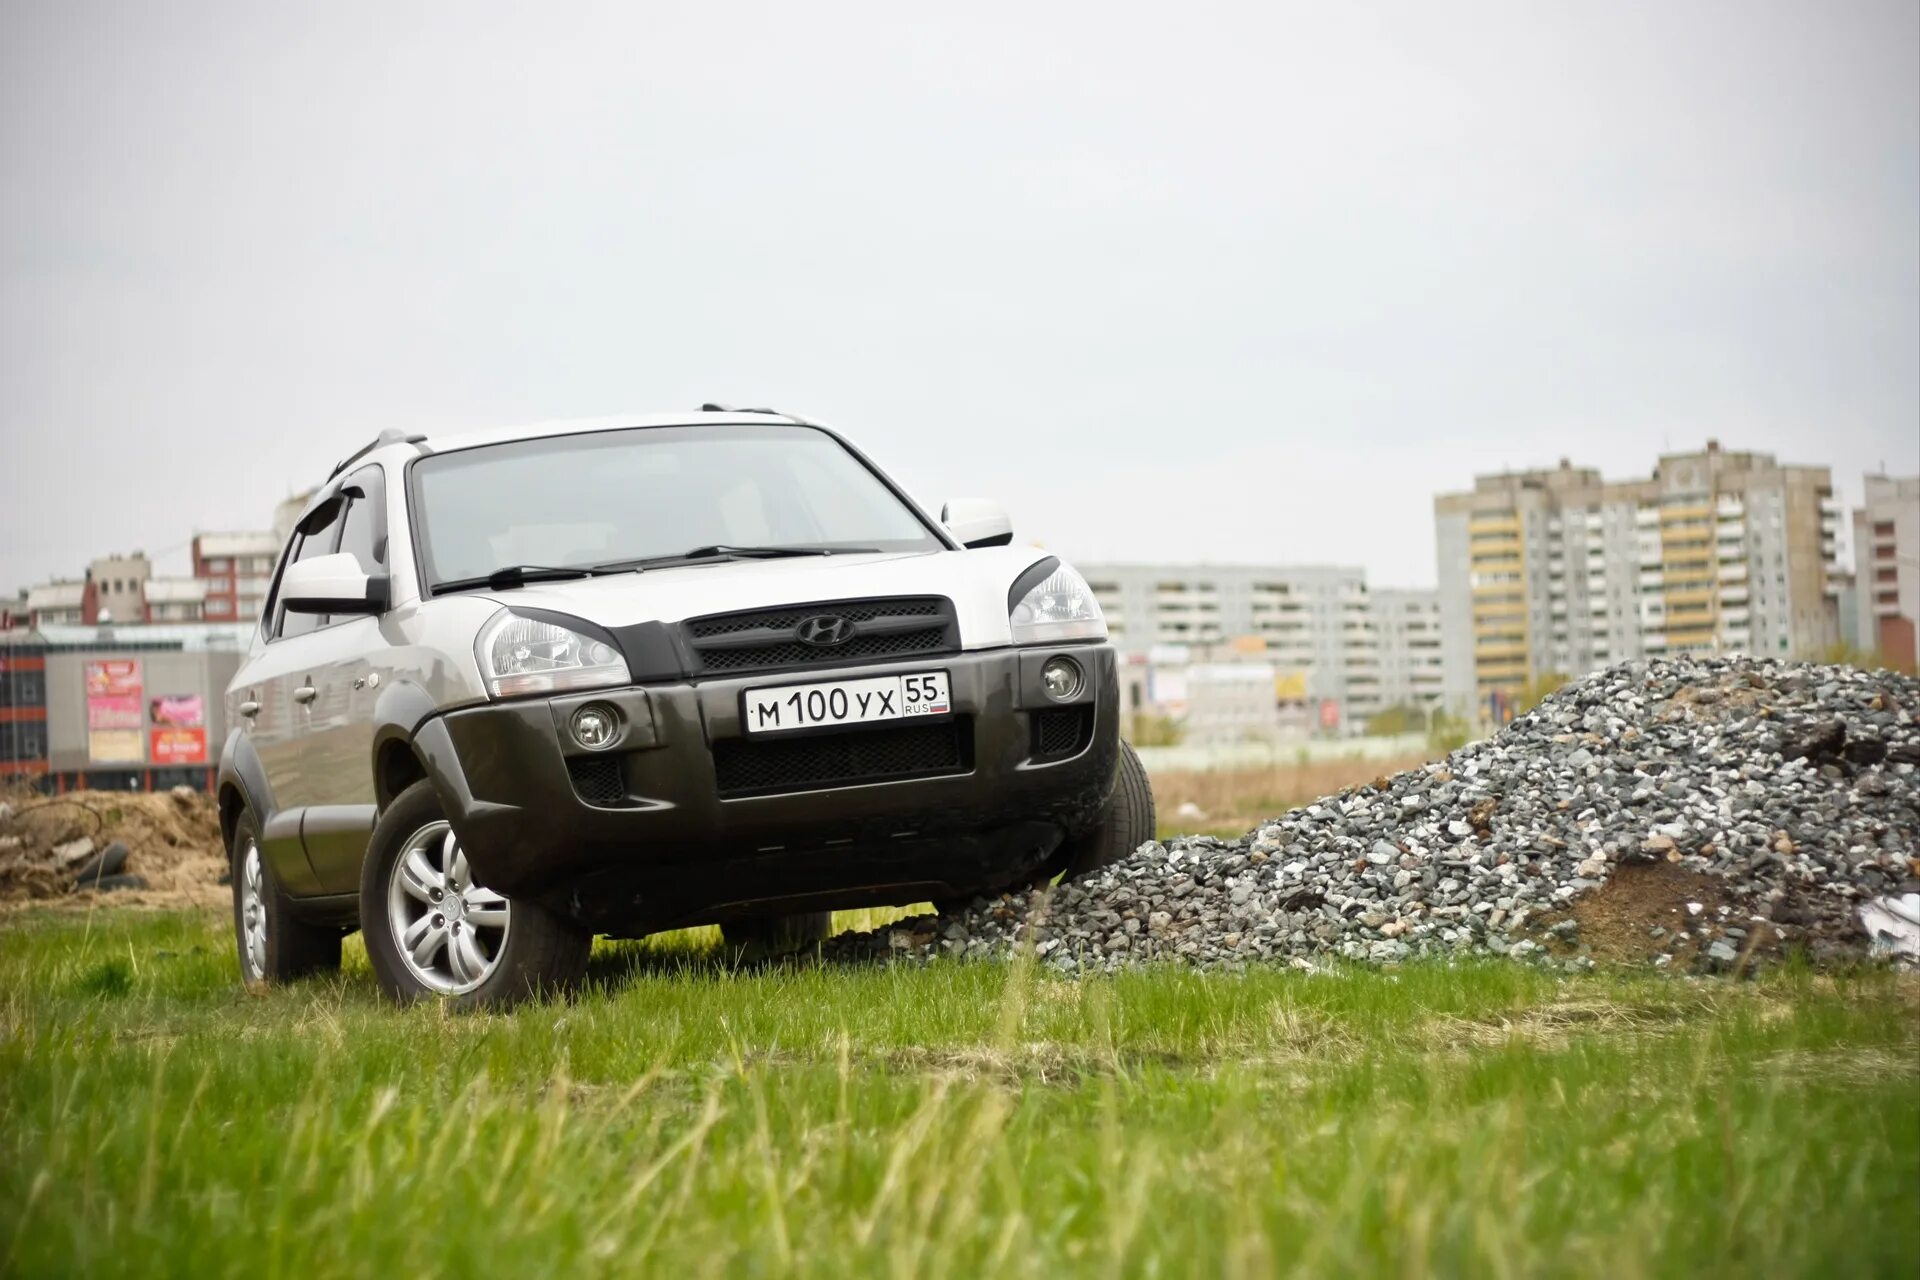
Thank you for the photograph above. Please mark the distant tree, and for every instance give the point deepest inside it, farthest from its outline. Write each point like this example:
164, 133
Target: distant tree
1155, 731
1537, 690
1848, 655
1448, 733
1389, 722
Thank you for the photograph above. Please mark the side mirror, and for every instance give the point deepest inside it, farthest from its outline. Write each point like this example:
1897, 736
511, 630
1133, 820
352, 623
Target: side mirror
332, 584
977, 522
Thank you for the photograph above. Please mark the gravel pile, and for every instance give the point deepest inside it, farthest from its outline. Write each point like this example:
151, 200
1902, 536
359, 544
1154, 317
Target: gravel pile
1704, 814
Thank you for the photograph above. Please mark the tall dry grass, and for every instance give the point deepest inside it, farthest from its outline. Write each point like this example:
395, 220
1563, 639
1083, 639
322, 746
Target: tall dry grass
1232, 801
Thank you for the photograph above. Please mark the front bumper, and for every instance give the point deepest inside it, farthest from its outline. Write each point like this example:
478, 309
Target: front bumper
670, 841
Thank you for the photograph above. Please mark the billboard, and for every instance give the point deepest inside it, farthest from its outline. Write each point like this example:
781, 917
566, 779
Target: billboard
179, 734
178, 708
178, 746
114, 717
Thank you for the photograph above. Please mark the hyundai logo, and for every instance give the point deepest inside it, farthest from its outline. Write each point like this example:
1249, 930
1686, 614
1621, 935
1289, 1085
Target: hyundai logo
824, 630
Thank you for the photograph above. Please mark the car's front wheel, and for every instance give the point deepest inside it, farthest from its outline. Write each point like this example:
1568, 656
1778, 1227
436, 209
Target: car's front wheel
1125, 824
432, 930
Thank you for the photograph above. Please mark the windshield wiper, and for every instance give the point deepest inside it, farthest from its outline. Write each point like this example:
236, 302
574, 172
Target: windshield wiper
729, 551
519, 575
772, 553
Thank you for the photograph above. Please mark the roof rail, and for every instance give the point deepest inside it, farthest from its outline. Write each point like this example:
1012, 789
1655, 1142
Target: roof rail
392, 435
775, 413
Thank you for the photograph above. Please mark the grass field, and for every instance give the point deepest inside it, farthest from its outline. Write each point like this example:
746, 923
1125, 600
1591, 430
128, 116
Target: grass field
681, 1119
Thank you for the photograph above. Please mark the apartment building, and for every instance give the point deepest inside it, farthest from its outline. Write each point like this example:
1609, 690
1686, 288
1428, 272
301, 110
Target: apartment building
119, 587
1560, 571
1406, 626
176, 600
118, 591
237, 568
1886, 560
1314, 627
56, 603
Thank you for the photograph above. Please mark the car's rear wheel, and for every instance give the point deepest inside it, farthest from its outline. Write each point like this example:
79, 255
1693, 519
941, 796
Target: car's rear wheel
274, 944
757, 936
433, 931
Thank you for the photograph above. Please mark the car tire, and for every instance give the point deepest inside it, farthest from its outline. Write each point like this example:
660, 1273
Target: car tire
273, 944
1126, 823
758, 936
432, 932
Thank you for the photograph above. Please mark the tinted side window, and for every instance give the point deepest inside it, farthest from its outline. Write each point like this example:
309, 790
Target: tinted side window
318, 539
270, 610
364, 532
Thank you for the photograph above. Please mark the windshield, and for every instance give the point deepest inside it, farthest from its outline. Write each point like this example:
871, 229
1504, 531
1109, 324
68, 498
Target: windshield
614, 496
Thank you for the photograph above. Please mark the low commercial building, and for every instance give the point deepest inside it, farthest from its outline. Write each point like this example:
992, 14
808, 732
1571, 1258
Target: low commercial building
110, 708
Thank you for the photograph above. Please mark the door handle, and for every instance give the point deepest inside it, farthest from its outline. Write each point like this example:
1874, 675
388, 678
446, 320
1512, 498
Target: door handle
249, 709
305, 693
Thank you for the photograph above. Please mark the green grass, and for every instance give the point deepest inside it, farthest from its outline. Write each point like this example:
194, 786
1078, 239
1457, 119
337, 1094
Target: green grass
977, 1121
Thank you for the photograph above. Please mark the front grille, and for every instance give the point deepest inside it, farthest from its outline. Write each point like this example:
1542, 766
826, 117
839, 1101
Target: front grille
597, 779
763, 639
744, 766
1062, 731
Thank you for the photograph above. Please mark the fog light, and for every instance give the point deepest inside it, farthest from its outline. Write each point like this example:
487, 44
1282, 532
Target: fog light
595, 725
1061, 677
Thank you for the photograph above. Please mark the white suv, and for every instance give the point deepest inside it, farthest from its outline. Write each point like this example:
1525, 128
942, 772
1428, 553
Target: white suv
517, 688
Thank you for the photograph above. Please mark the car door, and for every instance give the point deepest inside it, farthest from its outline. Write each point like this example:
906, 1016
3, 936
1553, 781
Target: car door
275, 706
336, 749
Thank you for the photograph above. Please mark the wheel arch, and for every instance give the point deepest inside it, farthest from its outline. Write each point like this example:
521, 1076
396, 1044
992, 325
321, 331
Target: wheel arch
397, 761
240, 786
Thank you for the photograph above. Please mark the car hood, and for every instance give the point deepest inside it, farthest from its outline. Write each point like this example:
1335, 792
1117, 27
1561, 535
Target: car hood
976, 581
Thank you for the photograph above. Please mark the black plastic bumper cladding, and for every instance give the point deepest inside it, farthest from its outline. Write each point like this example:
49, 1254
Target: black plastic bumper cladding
710, 822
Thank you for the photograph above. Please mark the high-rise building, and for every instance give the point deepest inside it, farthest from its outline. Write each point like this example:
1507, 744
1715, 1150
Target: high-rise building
1319, 629
1561, 571
1886, 568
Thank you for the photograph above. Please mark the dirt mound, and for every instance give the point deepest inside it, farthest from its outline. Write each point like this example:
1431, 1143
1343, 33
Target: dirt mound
171, 840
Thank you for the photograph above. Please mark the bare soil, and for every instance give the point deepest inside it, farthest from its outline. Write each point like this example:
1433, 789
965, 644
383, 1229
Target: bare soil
1653, 908
173, 843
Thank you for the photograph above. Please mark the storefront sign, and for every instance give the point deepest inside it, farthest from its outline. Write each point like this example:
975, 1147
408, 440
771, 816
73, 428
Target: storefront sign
178, 746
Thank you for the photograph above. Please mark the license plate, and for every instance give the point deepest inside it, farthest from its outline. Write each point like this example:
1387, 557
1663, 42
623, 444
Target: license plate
780, 708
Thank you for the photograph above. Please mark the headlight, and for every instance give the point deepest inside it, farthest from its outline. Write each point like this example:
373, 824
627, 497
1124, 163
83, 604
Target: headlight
524, 655
1061, 608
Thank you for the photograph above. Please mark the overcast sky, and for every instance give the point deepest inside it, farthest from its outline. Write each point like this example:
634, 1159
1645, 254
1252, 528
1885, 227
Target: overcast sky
1240, 282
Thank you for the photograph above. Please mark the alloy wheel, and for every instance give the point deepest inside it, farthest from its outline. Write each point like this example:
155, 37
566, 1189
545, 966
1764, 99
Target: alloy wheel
449, 931
253, 913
